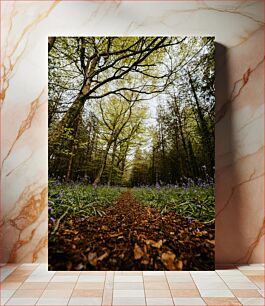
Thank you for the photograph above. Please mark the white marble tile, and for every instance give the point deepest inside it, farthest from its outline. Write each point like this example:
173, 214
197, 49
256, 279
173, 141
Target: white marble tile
85, 301
128, 293
128, 279
53, 301
90, 278
251, 301
22, 301
188, 301
123, 301
159, 301
215, 293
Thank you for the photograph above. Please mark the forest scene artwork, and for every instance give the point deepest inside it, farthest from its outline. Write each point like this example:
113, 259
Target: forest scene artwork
131, 153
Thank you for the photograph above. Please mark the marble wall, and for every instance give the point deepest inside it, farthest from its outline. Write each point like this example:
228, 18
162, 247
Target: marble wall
238, 27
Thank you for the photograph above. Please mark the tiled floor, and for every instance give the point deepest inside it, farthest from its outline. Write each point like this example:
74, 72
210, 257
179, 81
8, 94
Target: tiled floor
32, 284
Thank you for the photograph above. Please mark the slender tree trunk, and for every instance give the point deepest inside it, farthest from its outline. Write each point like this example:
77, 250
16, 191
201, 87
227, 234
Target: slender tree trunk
73, 148
112, 163
206, 137
103, 164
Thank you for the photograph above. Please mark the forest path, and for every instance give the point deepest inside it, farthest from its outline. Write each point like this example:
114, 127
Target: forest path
131, 236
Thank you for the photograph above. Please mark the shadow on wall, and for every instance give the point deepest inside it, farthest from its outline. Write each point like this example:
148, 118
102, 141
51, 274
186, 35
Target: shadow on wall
224, 148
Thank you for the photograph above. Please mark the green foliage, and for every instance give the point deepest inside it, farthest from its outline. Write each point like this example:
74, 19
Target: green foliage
195, 202
79, 200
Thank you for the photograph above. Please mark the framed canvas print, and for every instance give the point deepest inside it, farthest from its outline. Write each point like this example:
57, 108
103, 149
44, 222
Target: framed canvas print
131, 153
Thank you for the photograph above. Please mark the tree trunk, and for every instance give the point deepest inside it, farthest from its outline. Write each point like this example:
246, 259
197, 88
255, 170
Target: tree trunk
112, 163
103, 165
73, 148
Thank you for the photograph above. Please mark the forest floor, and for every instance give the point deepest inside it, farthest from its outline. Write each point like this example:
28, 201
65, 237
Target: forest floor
130, 236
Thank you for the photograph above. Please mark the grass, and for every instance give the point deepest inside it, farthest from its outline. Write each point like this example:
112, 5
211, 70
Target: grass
85, 200
79, 200
194, 202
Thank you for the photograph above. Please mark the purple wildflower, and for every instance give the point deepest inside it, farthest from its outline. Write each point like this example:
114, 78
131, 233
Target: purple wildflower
158, 187
189, 220
50, 202
52, 219
50, 210
95, 186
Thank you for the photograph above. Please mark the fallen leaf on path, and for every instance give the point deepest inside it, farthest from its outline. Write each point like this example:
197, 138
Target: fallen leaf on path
138, 253
155, 244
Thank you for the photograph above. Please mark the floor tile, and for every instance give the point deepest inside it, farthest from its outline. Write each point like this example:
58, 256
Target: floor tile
241, 285
64, 294
3, 300
34, 286
235, 279
91, 278
85, 301
253, 272
124, 301
218, 301
157, 278
153, 273
129, 286
128, 293
185, 293
15, 278
216, 293
128, 279
156, 285
260, 285
256, 278
9, 285
182, 286
53, 301
67, 273
175, 273
64, 279
7, 293
60, 286
39, 278
251, 267
129, 273
261, 292
188, 301
179, 279
149, 293
22, 301
87, 293
88, 285
159, 301
232, 272
246, 293
95, 273
251, 301
211, 285
28, 293
107, 297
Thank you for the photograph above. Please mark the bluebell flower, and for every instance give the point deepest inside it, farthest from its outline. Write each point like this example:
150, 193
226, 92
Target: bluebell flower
158, 187
50, 202
50, 210
189, 220
52, 219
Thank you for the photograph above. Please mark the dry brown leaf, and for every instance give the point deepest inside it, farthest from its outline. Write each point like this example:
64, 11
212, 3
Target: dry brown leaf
155, 244
115, 235
92, 258
138, 253
168, 259
210, 241
106, 254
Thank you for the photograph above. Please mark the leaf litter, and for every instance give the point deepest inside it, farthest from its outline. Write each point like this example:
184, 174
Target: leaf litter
131, 237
